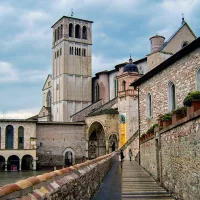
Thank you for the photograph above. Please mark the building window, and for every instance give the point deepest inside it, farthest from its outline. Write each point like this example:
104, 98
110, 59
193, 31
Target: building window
116, 87
79, 51
55, 35
58, 33
171, 96
9, 137
97, 92
21, 137
149, 105
48, 99
72, 50
70, 30
61, 31
184, 44
57, 86
77, 31
57, 54
198, 79
123, 85
84, 34
60, 51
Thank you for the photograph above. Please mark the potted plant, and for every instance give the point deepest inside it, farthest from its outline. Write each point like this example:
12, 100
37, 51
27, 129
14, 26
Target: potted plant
178, 114
167, 119
142, 137
192, 101
160, 122
150, 132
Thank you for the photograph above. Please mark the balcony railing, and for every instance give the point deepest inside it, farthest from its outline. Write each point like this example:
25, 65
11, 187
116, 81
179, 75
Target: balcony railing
127, 93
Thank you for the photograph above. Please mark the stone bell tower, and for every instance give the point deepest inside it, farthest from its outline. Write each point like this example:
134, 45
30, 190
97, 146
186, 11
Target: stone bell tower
72, 66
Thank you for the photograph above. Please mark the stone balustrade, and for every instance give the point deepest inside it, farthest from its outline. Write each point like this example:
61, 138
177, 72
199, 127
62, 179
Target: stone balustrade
76, 182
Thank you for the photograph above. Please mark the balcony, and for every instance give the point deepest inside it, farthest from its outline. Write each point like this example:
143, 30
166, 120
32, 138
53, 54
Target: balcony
129, 92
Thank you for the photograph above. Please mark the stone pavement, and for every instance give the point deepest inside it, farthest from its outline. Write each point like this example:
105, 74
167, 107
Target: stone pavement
130, 181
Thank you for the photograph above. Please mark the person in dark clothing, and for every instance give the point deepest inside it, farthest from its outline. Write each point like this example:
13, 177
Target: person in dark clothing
121, 155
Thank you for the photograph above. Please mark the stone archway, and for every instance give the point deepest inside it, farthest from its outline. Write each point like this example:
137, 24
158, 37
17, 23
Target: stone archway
27, 162
69, 157
113, 142
97, 141
2, 163
13, 163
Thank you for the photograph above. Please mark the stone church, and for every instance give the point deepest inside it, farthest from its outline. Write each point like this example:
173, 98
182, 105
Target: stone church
83, 116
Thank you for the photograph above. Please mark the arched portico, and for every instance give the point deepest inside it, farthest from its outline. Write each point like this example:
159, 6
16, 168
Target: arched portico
27, 162
97, 140
69, 156
113, 142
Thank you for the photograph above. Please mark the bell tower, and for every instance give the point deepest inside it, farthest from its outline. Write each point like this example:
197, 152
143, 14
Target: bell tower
71, 66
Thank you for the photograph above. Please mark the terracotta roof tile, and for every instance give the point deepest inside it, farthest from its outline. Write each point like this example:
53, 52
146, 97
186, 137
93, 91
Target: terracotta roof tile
7, 189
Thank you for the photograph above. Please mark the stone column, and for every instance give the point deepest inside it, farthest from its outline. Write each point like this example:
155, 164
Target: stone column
6, 166
20, 164
107, 146
87, 149
34, 164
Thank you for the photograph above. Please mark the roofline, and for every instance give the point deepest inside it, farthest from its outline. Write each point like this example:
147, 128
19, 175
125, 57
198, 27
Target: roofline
70, 18
185, 23
61, 123
46, 81
117, 67
174, 58
17, 120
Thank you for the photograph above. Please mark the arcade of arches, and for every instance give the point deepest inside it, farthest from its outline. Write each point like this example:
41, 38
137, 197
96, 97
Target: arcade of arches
102, 134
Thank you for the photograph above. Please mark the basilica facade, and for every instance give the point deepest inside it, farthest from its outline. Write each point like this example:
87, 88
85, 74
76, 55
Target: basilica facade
84, 116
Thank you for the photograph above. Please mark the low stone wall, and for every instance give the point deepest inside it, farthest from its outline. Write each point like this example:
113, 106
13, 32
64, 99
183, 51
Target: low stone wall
173, 157
76, 182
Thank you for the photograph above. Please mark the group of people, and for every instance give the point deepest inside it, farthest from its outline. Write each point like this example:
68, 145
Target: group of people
130, 154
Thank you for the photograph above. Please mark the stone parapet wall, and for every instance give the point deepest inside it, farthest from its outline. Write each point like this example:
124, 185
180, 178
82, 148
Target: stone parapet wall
76, 182
173, 157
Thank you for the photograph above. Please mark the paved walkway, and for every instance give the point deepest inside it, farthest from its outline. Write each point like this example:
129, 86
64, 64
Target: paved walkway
130, 181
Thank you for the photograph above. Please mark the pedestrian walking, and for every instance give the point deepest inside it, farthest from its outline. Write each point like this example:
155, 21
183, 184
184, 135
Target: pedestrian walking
121, 155
130, 154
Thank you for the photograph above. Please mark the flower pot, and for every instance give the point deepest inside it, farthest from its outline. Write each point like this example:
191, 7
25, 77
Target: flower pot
195, 106
160, 123
176, 117
167, 123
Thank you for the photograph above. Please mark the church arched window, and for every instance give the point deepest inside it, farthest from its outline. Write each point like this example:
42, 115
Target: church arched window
123, 85
79, 52
9, 137
116, 87
149, 105
58, 33
21, 137
198, 79
48, 99
171, 96
97, 92
61, 31
77, 31
84, 34
70, 30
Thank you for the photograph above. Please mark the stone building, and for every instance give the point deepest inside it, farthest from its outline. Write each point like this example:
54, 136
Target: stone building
172, 155
87, 117
17, 145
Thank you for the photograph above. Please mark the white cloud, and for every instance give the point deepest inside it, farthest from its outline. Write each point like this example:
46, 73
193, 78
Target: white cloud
6, 9
19, 114
9, 73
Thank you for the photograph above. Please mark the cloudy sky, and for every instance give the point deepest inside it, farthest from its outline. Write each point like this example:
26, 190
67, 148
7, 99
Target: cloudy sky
120, 27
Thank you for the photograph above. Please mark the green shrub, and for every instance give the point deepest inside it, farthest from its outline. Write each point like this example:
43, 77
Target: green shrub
191, 96
167, 116
151, 129
182, 111
143, 135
